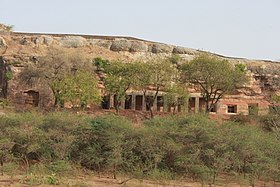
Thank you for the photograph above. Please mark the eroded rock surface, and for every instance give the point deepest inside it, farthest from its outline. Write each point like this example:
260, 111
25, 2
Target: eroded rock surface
121, 45
2, 42
72, 41
20, 49
162, 48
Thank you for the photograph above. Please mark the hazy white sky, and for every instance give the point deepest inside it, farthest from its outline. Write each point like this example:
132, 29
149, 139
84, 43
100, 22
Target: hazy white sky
241, 28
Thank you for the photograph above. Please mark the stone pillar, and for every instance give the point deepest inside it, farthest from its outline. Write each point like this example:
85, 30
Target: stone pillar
122, 104
176, 109
133, 101
186, 106
165, 107
196, 108
111, 101
154, 108
143, 104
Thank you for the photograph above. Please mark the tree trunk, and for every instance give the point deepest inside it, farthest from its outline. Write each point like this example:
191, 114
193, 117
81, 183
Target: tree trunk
214, 177
151, 112
117, 108
99, 170
115, 171
2, 163
27, 164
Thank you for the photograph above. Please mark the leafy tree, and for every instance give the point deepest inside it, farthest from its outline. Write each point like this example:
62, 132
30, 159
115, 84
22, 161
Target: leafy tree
52, 69
8, 124
80, 86
118, 79
215, 77
271, 121
176, 95
152, 77
103, 145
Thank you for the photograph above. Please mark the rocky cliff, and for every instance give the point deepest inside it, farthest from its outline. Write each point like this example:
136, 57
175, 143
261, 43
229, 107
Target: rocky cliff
17, 49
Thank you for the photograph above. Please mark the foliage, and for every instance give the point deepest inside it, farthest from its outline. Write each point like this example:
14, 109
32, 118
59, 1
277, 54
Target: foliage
158, 75
102, 147
54, 68
176, 95
119, 78
100, 63
214, 77
8, 28
271, 121
9, 75
162, 148
80, 87
3, 102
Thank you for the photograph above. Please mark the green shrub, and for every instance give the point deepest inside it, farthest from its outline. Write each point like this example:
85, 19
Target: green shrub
158, 174
10, 168
61, 167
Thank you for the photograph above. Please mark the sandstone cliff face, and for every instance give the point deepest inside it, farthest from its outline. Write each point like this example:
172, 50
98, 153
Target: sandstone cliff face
20, 49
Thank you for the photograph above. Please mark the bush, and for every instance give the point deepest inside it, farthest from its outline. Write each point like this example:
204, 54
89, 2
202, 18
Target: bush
61, 168
162, 148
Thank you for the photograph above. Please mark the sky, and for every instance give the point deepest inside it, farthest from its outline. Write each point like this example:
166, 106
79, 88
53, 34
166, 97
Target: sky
237, 28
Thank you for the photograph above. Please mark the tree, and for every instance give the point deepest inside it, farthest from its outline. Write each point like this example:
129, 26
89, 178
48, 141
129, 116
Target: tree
53, 68
215, 77
271, 121
80, 87
176, 95
151, 77
118, 79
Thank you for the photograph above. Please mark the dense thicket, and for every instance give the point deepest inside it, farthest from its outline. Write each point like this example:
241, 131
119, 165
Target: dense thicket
177, 146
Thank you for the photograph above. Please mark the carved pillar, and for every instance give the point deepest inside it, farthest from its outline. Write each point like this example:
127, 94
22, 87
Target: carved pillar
143, 103
186, 106
154, 107
196, 106
122, 104
133, 101
165, 107
111, 101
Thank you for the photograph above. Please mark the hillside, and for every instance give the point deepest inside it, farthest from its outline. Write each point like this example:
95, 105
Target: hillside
19, 49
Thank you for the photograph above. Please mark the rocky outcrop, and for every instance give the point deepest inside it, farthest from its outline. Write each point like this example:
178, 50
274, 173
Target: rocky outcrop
183, 50
48, 40
101, 43
268, 75
72, 41
24, 41
162, 48
39, 40
138, 46
121, 45
20, 49
43, 40
2, 42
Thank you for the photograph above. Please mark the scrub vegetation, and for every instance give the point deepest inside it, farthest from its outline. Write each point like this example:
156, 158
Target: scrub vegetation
46, 147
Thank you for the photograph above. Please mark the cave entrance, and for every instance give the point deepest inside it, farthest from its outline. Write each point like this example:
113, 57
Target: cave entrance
31, 98
139, 102
105, 104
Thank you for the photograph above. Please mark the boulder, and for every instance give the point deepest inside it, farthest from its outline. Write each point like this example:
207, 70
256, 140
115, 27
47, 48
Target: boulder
101, 43
121, 45
162, 48
180, 50
24, 41
138, 46
38, 40
72, 41
2, 42
48, 40
183, 50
